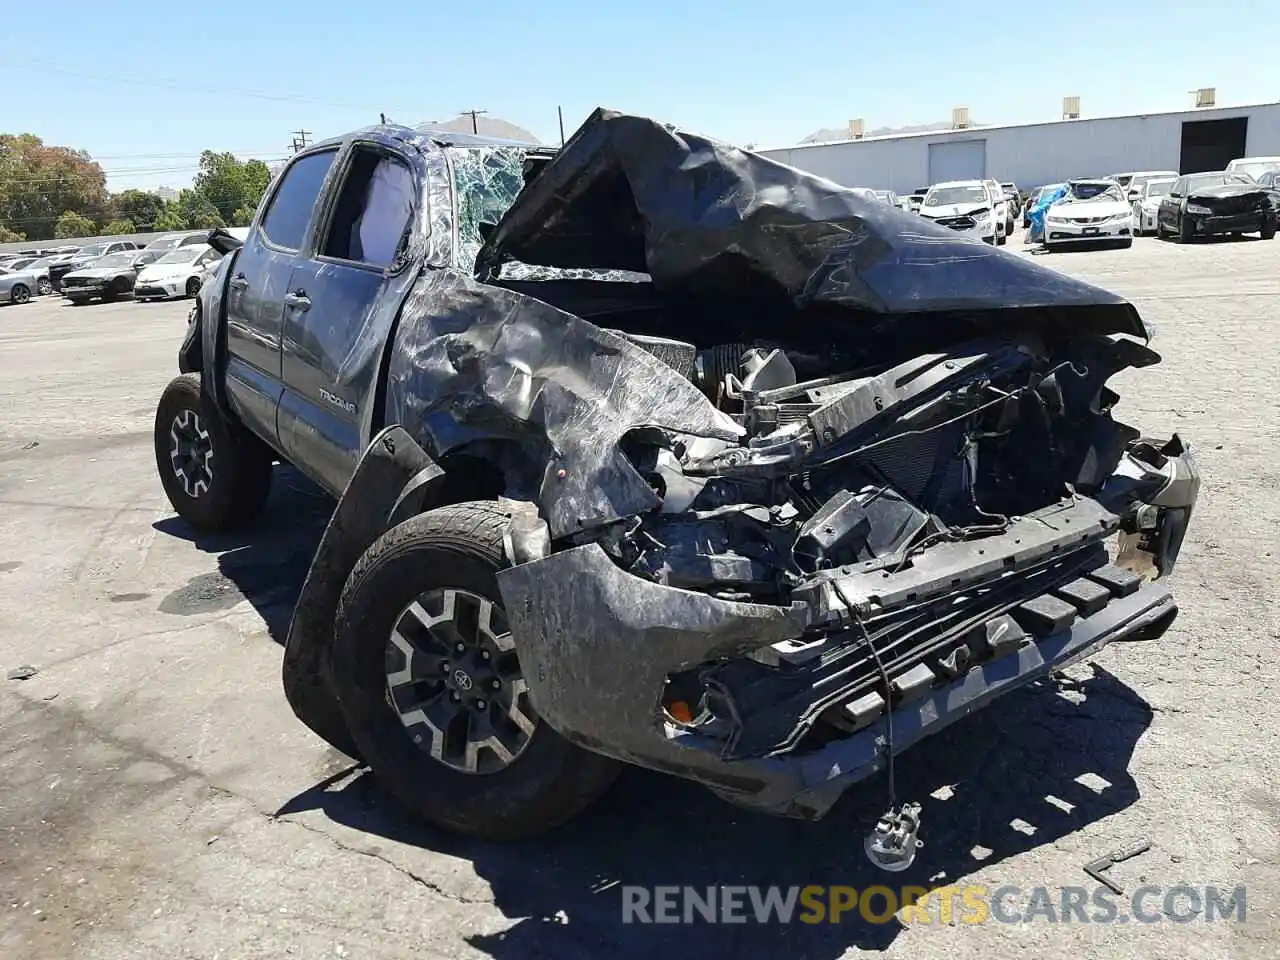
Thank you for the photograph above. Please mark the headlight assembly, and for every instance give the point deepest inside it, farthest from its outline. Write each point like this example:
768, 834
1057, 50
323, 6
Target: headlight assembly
1198, 208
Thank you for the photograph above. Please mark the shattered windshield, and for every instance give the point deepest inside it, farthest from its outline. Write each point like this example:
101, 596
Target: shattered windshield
941, 196
486, 182
1096, 190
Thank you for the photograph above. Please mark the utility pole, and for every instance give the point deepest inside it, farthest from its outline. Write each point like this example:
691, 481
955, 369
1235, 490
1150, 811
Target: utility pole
473, 114
560, 114
300, 140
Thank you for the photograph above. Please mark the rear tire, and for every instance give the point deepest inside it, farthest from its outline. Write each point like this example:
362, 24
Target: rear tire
44, 287
19, 293
216, 474
421, 728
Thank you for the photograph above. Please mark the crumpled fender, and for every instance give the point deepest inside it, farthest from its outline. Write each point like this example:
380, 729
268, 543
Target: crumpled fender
393, 481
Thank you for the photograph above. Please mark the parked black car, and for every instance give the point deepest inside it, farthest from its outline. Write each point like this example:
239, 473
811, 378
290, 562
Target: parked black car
105, 278
1213, 204
621, 477
86, 255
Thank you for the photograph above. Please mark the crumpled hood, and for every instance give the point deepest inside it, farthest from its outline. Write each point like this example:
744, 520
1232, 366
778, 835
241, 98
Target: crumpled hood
628, 193
1224, 190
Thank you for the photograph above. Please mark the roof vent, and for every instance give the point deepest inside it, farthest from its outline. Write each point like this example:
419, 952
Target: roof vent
959, 118
1070, 108
1206, 96
857, 128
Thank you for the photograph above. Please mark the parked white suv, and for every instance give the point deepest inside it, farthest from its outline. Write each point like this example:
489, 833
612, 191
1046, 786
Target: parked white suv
977, 208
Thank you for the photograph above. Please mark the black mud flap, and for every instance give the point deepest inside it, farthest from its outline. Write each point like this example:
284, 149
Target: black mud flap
393, 469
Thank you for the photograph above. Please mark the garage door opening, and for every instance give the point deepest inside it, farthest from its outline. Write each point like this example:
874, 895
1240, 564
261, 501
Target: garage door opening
1212, 144
957, 160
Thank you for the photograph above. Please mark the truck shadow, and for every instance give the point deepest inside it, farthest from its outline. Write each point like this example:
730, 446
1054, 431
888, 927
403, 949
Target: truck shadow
1035, 766
265, 564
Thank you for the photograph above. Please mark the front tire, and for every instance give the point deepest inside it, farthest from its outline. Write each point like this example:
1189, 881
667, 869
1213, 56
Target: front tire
44, 287
430, 686
1186, 231
1268, 230
193, 286
215, 474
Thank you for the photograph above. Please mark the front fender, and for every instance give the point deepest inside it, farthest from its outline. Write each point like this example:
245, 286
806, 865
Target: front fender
394, 479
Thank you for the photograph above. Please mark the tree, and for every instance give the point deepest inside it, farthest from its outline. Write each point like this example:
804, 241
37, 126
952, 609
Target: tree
10, 236
70, 225
197, 211
170, 218
39, 183
139, 206
118, 228
242, 217
230, 184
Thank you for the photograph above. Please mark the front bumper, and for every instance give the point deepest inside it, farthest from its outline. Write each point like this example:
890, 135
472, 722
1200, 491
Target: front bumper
984, 230
1066, 231
83, 291
145, 291
599, 647
1213, 224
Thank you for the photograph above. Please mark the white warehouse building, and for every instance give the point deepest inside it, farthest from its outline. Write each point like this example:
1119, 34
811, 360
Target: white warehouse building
1032, 154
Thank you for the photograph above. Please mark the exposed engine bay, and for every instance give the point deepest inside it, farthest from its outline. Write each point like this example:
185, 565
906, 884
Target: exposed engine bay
853, 472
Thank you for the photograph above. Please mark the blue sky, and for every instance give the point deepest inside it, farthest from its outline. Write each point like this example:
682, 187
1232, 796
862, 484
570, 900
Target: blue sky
144, 87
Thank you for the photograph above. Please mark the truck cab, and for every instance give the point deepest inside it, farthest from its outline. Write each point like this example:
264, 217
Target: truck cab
289, 335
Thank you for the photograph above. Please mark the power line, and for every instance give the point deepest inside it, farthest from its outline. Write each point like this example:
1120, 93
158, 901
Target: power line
171, 84
300, 140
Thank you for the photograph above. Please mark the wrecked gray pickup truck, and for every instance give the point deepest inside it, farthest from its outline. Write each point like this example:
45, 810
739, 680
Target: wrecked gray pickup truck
657, 451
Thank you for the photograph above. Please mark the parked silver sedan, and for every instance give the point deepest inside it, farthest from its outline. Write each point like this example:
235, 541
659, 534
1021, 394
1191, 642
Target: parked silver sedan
16, 286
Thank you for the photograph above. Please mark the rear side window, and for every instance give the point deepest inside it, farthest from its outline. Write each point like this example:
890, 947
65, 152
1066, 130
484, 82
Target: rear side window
294, 200
372, 218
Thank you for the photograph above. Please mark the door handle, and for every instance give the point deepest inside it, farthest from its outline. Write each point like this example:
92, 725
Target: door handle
239, 281
298, 300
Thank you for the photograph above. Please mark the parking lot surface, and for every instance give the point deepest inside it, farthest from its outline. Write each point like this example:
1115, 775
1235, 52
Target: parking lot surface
158, 798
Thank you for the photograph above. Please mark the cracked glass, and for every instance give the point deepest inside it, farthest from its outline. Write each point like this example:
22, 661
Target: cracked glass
487, 181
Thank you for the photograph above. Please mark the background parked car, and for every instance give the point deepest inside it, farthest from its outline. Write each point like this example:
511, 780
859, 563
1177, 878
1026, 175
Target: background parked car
16, 286
1146, 203
39, 270
916, 198
20, 263
1090, 211
86, 255
1212, 204
1253, 166
1132, 181
178, 273
109, 277
971, 207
